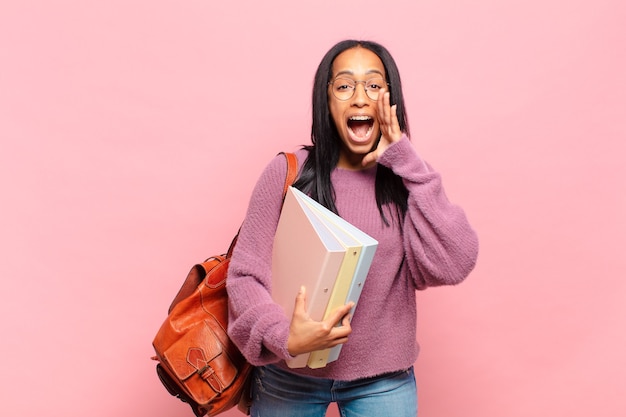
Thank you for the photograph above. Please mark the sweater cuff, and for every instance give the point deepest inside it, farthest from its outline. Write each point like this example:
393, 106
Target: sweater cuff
281, 345
402, 158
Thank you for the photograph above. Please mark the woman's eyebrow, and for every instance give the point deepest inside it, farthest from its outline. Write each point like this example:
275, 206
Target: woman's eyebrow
350, 72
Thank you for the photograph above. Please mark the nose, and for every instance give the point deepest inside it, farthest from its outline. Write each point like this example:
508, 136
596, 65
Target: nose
360, 95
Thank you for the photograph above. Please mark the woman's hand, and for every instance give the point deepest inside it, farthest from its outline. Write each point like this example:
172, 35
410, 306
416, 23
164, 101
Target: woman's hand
307, 335
389, 127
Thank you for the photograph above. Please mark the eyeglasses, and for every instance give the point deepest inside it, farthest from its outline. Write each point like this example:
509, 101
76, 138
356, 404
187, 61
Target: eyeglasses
344, 88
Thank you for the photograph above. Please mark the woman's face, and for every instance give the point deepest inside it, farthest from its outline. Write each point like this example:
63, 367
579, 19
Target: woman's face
356, 117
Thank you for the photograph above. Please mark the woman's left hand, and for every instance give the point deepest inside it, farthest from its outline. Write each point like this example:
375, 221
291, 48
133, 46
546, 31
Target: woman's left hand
389, 127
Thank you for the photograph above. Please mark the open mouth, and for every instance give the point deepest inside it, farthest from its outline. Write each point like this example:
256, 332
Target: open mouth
360, 128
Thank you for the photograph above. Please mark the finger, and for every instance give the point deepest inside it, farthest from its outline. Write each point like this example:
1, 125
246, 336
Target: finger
300, 305
395, 124
380, 103
381, 108
370, 157
347, 319
339, 341
338, 314
341, 332
387, 109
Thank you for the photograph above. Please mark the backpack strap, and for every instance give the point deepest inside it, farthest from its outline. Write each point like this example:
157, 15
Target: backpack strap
292, 171
290, 178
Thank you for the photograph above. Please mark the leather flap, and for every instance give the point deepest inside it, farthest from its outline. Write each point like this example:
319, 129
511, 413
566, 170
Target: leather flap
194, 351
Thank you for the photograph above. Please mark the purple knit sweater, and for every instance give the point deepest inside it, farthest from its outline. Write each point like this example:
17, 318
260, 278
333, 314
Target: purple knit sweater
435, 246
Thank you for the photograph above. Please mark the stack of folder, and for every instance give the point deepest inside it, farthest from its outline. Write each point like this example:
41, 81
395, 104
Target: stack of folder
316, 248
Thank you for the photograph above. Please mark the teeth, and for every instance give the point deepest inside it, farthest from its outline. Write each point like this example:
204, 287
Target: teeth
360, 118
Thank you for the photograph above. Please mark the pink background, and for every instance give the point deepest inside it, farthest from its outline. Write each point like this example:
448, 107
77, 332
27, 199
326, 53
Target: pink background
133, 131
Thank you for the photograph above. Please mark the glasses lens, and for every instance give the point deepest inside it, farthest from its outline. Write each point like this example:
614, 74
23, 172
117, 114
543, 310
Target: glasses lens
373, 86
343, 88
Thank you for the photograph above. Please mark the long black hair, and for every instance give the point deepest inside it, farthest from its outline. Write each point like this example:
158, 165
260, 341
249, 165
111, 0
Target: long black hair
324, 152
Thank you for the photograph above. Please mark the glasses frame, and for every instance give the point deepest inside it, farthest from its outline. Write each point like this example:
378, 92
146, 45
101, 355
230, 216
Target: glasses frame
356, 84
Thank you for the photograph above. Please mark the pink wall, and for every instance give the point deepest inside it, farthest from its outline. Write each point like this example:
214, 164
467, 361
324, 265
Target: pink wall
126, 125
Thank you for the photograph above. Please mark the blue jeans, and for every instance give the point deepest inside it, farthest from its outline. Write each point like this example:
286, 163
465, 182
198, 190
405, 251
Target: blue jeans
279, 393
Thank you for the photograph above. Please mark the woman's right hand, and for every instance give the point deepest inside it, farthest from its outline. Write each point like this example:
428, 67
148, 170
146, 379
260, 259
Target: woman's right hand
307, 335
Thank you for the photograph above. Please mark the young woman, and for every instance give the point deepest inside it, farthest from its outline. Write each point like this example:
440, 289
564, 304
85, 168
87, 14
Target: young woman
361, 165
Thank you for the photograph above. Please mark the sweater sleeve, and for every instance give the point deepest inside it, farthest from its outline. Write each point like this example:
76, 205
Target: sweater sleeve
440, 246
257, 325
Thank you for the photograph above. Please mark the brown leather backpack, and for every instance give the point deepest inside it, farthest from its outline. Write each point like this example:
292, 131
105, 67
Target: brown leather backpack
198, 363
